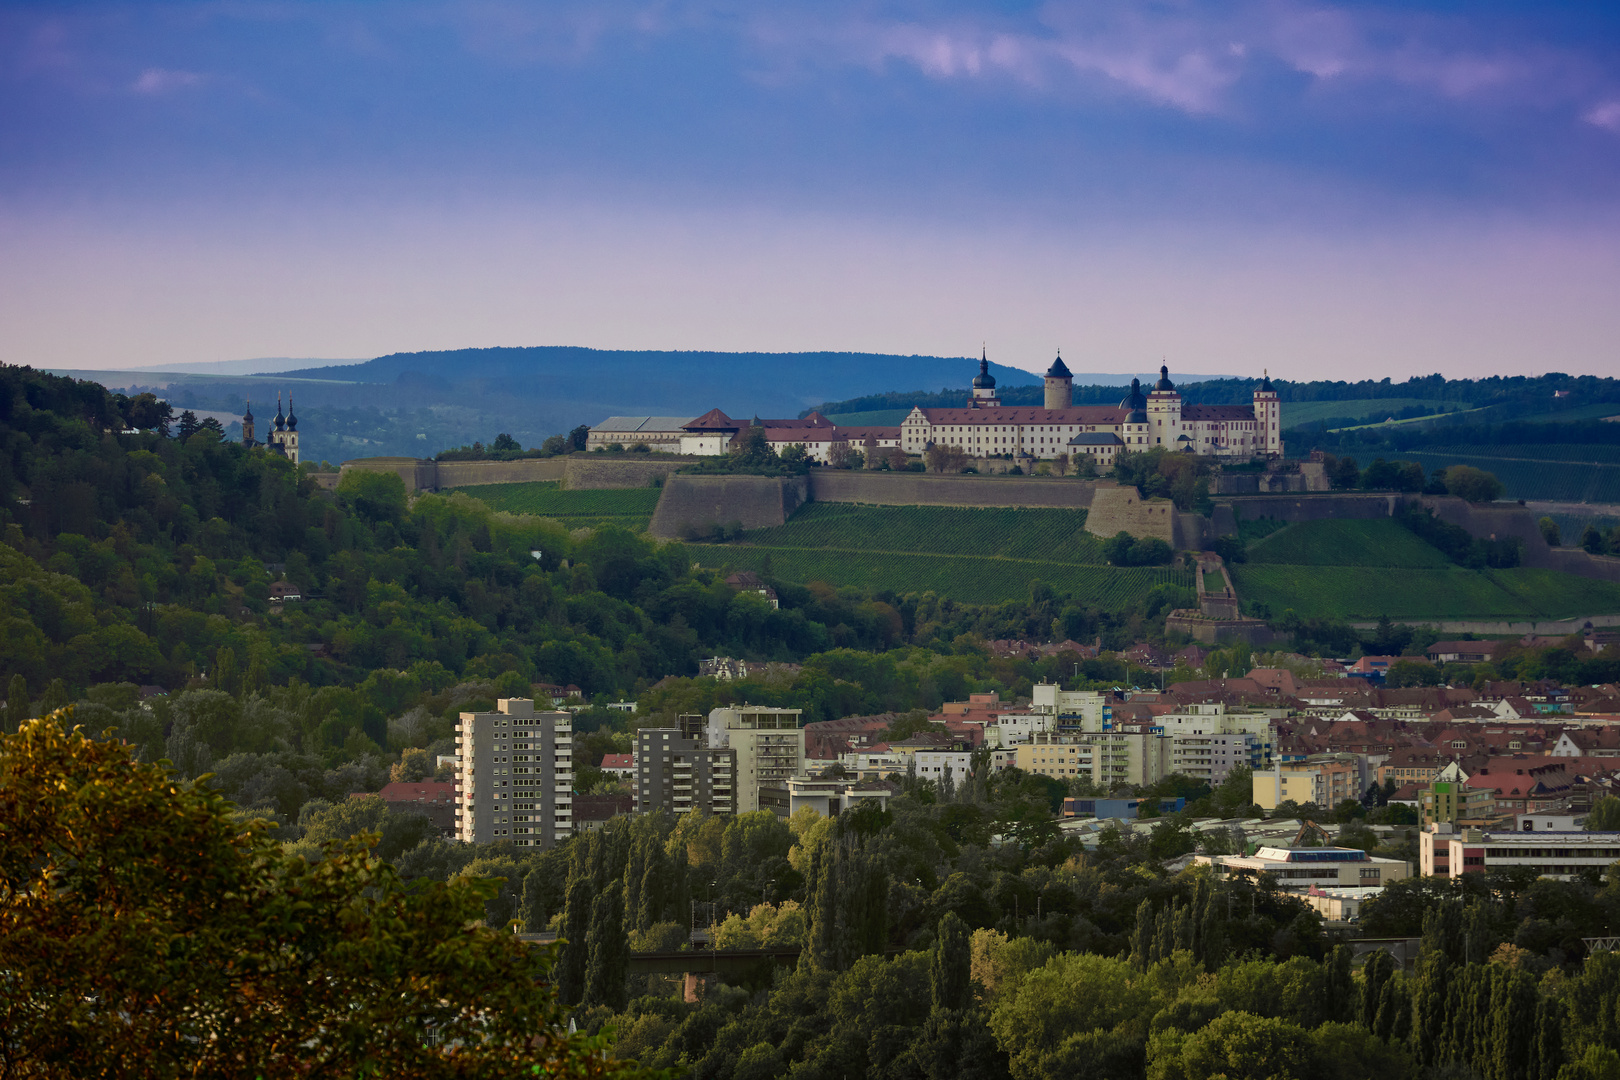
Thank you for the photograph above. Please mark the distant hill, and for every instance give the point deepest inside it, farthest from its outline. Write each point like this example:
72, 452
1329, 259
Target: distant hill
420, 403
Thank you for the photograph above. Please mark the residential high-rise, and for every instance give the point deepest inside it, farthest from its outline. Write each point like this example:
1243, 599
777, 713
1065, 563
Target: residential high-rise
680, 774
769, 747
516, 775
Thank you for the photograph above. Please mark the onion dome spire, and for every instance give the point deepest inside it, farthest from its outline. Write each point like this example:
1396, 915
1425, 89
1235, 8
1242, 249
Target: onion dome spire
984, 380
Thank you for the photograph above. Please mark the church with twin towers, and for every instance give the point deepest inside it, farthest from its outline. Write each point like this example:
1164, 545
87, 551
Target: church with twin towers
281, 438
1142, 421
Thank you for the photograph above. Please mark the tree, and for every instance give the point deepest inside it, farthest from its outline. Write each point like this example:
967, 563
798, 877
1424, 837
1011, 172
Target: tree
17, 709
1475, 485
950, 971
569, 972
609, 949
577, 437
1592, 539
505, 444
1549, 532
1604, 816
945, 459
208, 951
188, 425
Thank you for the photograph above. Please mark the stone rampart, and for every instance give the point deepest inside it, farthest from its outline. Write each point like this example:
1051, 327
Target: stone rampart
695, 504
454, 474
1116, 509
419, 475
926, 489
1540, 627
582, 471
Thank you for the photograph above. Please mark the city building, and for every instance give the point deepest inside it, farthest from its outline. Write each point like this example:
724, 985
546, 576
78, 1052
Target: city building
1304, 867
435, 799
827, 797
1444, 849
1323, 779
622, 766
1108, 758
1451, 799
769, 745
515, 775
1087, 710
678, 773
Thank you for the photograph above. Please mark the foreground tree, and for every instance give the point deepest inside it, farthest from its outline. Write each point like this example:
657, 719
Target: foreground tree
146, 932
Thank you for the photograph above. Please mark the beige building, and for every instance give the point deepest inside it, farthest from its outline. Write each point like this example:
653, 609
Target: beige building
768, 745
1323, 779
1109, 758
515, 775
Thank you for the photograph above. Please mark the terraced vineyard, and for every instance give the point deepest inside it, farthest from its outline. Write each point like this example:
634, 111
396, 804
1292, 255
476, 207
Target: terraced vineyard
629, 507
1541, 478
970, 555
1365, 592
1347, 543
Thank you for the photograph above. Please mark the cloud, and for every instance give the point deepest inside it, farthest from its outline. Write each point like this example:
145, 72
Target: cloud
156, 81
1606, 115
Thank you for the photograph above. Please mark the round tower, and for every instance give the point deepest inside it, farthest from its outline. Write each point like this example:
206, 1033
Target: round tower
291, 442
247, 425
1059, 385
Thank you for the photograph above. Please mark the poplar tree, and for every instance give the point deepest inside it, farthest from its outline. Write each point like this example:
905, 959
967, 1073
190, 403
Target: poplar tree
1378, 969
951, 972
609, 947
1142, 937
570, 970
822, 946
1338, 987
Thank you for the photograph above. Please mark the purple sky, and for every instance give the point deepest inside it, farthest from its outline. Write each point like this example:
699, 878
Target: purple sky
1333, 191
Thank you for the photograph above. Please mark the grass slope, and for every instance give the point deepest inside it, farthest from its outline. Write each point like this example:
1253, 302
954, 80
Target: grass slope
1417, 595
1347, 543
630, 507
974, 556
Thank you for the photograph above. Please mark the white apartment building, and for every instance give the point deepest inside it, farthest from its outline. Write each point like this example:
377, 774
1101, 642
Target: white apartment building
515, 775
1011, 729
937, 765
1087, 709
769, 746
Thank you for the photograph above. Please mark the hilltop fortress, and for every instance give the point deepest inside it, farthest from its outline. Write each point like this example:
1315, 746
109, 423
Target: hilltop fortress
989, 428
985, 428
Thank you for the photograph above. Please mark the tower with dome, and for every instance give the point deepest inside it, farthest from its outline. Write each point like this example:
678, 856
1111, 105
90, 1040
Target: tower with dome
282, 438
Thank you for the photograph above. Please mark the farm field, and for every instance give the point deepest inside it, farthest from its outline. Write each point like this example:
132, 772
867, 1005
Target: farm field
1308, 412
1347, 543
629, 507
1541, 479
974, 556
1365, 592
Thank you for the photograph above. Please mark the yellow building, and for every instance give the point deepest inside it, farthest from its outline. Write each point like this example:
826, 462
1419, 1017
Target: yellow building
1326, 780
1451, 801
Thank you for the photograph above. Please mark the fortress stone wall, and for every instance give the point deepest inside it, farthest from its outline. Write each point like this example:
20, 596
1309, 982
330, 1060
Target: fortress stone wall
1117, 509
582, 471
926, 489
454, 474
702, 502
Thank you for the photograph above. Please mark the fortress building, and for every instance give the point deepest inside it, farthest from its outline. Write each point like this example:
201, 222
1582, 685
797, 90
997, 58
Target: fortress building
282, 438
1139, 422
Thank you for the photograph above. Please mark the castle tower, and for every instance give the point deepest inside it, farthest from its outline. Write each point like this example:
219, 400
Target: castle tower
1164, 412
984, 385
1268, 419
1059, 385
247, 426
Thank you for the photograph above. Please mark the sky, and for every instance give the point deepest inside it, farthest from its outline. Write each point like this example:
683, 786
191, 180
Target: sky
1320, 190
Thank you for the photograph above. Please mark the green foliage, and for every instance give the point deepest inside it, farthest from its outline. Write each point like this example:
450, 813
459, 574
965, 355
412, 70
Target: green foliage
1543, 472
1475, 485
1454, 593
207, 951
